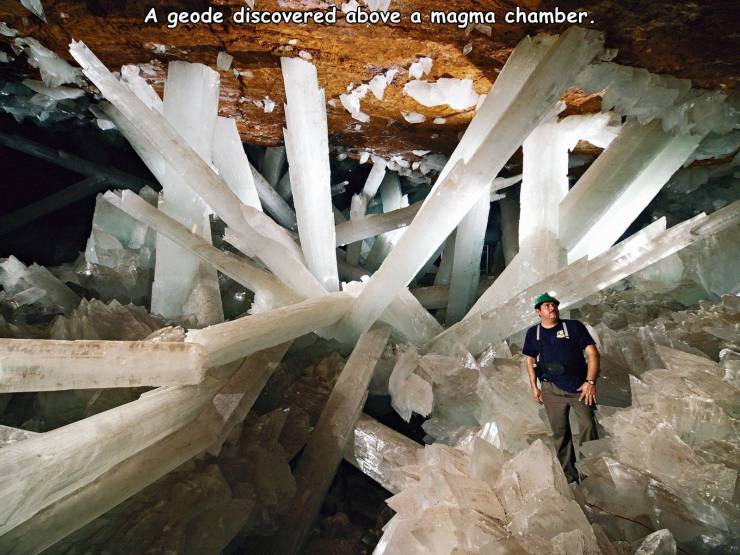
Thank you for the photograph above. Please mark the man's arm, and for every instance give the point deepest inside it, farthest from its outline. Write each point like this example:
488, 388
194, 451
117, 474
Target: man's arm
588, 391
536, 392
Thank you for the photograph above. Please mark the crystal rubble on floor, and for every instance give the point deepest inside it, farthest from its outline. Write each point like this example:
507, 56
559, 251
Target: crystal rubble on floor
380, 452
409, 391
670, 460
306, 142
618, 186
184, 287
222, 411
34, 289
269, 291
96, 320
544, 186
583, 278
483, 500
323, 453
50, 365
455, 195
119, 254
256, 233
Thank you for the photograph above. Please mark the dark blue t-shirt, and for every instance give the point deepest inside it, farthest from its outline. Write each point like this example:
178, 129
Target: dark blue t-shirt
554, 346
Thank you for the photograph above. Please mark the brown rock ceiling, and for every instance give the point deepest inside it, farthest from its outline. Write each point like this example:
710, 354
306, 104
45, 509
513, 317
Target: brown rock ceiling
693, 40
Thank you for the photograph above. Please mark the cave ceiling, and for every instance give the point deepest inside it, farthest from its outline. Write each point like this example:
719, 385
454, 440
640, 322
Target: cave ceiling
687, 40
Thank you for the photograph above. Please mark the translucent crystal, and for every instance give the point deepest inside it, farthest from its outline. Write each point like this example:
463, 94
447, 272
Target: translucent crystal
445, 207
618, 186
231, 161
306, 142
17, 278
323, 453
46, 365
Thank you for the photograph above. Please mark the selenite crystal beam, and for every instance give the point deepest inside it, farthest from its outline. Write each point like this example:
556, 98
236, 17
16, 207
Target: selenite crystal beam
357, 210
619, 185
231, 162
379, 452
412, 322
583, 278
375, 177
190, 104
227, 408
273, 202
544, 185
435, 296
446, 206
469, 239
52, 203
273, 164
509, 228
50, 365
39, 471
263, 283
260, 235
307, 145
73, 163
323, 452
390, 193
374, 224
238, 338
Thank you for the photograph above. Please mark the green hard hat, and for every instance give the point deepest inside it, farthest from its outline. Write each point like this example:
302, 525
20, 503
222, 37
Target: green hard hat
545, 298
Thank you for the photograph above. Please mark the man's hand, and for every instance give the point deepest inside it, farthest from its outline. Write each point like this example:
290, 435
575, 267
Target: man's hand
537, 394
588, 393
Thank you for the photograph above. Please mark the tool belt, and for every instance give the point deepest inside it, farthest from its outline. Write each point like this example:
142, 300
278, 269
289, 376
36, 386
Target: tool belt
544, 370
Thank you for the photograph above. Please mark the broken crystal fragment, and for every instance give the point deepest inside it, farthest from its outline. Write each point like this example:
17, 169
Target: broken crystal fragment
458, 94
20, 280
223, 61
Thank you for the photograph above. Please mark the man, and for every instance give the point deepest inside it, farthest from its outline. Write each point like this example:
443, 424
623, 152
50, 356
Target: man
554, 350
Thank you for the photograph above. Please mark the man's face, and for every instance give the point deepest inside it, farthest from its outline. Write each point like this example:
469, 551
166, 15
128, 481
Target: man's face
548, 311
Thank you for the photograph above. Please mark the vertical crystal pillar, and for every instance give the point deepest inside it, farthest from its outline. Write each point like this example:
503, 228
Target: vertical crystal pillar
182, 286
469, 239
307, 145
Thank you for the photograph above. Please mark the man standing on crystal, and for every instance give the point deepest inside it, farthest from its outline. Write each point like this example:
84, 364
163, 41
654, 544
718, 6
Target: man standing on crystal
554, 350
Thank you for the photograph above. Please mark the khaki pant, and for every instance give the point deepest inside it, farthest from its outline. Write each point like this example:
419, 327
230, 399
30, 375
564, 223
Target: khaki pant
557, 406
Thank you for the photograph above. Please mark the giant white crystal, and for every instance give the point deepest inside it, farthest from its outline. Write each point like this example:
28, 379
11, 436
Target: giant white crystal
48, 365
619, 185
306, 142
454, 195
